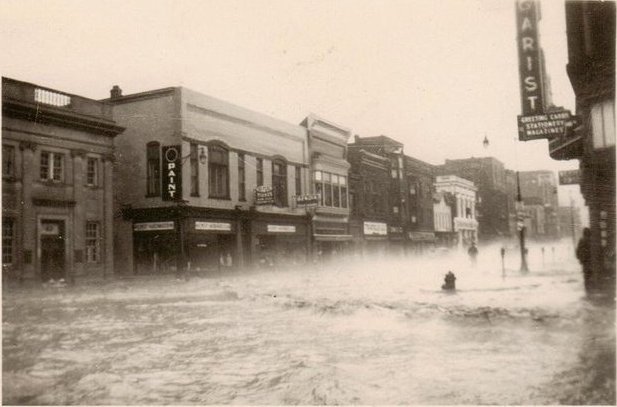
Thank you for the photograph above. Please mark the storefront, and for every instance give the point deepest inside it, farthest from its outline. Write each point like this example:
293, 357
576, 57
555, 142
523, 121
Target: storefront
396, 240
155, 247
467, 231
199, 240
421, 242
278, 240
331, 238
375, 235
212, 244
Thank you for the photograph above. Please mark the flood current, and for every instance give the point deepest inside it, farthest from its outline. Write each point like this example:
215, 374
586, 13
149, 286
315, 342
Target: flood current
360, 331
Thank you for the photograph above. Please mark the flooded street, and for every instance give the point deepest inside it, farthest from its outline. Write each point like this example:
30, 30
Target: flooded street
353, 333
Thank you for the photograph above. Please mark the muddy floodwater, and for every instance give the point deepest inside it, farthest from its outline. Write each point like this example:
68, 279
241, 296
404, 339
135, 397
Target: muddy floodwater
357, 332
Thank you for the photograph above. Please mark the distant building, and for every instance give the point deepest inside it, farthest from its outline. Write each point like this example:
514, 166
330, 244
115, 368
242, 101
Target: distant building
419, 179
540, 188
57, 187
464, 192
511, 194
570, 224
204, 184
369, 181
327, 143
493, 205
395, 196
444, 209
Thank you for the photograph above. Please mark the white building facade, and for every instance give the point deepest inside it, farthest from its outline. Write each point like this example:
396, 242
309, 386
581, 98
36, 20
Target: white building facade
465, 223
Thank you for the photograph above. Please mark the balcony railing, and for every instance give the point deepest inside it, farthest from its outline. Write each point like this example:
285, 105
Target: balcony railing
17, 91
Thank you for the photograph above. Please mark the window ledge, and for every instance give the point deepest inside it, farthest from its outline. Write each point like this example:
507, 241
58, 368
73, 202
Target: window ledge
220, 198
51, 183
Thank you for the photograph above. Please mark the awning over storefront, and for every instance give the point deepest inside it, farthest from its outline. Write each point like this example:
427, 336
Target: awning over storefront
331, 238
421, 236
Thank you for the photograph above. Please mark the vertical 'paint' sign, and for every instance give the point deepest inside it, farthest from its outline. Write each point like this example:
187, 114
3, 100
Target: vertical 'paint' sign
529, 57
172, 173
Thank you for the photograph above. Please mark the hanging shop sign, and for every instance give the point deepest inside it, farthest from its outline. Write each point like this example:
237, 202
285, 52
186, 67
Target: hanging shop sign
530, 62
214, 226
172, 173
149, 226
307, 200
395, 229
570, 177
281, 229
375, 229
264, 195
542, 126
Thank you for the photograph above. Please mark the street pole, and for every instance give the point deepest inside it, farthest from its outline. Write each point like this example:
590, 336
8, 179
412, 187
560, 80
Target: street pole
524, 268
572, 221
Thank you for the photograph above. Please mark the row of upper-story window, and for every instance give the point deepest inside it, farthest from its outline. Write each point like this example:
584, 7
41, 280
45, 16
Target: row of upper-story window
93, 238
51, 166
219, 174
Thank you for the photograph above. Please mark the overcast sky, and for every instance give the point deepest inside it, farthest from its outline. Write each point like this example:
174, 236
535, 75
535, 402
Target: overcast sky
435, 75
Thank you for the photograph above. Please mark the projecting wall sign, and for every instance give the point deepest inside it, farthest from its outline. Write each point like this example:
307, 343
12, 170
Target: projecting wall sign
172, 173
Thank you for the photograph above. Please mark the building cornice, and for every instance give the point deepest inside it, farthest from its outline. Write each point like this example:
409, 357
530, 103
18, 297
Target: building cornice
42, 114
136, 97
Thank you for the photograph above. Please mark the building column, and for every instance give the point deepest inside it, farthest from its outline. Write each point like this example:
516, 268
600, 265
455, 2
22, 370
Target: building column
108, 217
239, 245
79, 216
28, 220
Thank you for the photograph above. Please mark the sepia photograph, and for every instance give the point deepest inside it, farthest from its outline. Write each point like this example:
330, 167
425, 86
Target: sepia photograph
308, 202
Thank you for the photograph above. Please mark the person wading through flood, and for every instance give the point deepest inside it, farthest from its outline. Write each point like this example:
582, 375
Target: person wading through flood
473, 253
583, 254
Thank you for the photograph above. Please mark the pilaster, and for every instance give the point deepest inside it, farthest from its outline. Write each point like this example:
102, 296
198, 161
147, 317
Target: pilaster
28, 220
108, 217
79, 216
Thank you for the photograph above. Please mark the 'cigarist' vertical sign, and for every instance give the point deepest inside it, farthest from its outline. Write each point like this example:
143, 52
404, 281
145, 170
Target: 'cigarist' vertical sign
529, 57
172, 173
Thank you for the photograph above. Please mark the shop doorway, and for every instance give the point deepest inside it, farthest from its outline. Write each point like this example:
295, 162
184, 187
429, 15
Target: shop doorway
53, 250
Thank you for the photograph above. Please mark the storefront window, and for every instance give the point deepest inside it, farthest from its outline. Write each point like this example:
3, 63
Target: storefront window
218, 172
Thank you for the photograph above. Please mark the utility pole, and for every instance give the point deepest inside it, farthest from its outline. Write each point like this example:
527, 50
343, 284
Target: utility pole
521, 225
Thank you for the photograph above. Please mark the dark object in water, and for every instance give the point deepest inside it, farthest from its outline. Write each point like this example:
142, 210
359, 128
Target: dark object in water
449, 281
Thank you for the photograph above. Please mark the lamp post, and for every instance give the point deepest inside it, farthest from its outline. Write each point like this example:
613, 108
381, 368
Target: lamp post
521, 225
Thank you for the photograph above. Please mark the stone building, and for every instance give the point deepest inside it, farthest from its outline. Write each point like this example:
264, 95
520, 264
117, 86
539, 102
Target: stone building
57, 196
444, 209
493, 206
204, 184
464, 192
